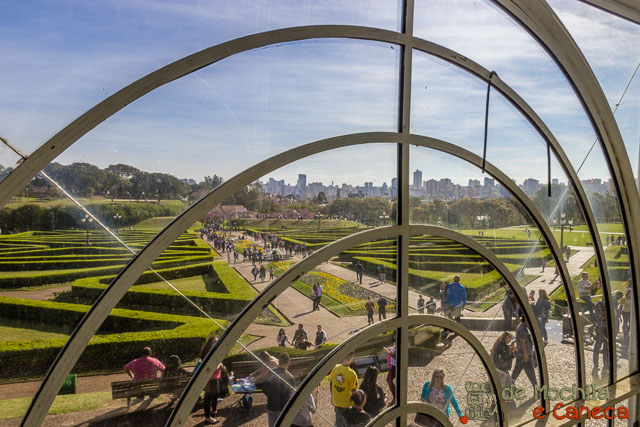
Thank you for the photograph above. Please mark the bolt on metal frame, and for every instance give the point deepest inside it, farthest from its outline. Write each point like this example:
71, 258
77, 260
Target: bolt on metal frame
535, 17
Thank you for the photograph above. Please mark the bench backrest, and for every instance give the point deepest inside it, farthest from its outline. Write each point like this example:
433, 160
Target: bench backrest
122, 389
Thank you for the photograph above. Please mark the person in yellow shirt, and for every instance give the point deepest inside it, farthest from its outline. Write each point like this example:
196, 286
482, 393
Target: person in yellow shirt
343, 381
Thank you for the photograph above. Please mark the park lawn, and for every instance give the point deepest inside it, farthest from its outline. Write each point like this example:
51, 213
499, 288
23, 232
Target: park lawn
12, 333
569, 238
334, 301
160, 222
63, 404
193, 283
609, 227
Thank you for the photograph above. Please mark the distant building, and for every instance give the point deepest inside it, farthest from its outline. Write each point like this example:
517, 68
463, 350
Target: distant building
302, 185
417, 180
530, 186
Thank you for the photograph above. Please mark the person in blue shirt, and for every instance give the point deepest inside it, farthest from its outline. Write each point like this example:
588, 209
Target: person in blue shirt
439, 394
456, 299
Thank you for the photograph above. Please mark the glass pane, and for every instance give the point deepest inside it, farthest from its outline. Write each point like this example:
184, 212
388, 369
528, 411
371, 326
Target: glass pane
604, 201
482, 32
132, 40
603, 35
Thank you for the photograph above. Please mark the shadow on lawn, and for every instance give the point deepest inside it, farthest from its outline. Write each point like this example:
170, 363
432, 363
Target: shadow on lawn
156, 415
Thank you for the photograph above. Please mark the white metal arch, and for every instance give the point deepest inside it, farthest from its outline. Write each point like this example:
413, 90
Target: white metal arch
531, 17
108, 107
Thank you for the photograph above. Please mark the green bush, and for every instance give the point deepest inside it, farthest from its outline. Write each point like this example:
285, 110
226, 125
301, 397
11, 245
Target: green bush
67, 316
107, 353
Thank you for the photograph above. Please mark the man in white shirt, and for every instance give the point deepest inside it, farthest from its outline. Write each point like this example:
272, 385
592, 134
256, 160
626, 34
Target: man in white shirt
584, 292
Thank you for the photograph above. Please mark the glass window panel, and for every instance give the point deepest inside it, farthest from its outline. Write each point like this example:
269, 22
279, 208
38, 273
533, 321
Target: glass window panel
65, 59
227, 117
518, 60
611, 45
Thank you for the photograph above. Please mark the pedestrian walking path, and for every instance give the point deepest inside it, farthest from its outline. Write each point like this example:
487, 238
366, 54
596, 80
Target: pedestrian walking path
297, 307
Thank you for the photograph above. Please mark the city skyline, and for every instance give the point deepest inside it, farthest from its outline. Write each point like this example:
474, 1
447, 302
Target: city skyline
443, 188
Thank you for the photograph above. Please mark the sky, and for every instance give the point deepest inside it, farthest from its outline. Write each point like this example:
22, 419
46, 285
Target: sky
61, 58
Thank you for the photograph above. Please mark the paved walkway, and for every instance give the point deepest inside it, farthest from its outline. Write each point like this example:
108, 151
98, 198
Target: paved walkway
297, 307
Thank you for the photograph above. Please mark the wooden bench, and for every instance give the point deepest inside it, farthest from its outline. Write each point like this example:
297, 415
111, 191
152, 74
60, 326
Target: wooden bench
150, 387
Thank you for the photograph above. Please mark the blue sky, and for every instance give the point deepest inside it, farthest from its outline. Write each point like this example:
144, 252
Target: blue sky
63, 57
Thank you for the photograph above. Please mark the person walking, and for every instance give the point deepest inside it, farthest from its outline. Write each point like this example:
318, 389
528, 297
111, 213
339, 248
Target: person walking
383, 274
355, 416
524, 353
382, 308
255, 271
601, 342
541, 308
502, 354
431, 306
318, 299
508, 309
420, 305
376, 397
282, 338
456, 298
584, 292
271, 273
321, 336
314, 296
391, 374
359, 272
443, 297
278, 389
263, 273
343, 381
439, 394
370, 306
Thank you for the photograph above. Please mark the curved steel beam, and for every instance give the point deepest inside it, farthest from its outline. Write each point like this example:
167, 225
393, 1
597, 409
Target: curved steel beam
189, 64
242, 322
544, 25
110, 297
48, 151
626, 9
391, 414
338, 354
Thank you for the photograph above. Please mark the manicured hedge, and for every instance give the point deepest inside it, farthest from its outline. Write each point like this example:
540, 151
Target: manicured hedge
236, 294
107, 353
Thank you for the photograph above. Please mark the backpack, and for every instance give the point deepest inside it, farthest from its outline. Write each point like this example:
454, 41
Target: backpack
246, 402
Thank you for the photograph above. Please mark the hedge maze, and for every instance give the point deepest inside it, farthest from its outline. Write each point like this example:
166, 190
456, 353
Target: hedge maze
432, 259
150, 314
